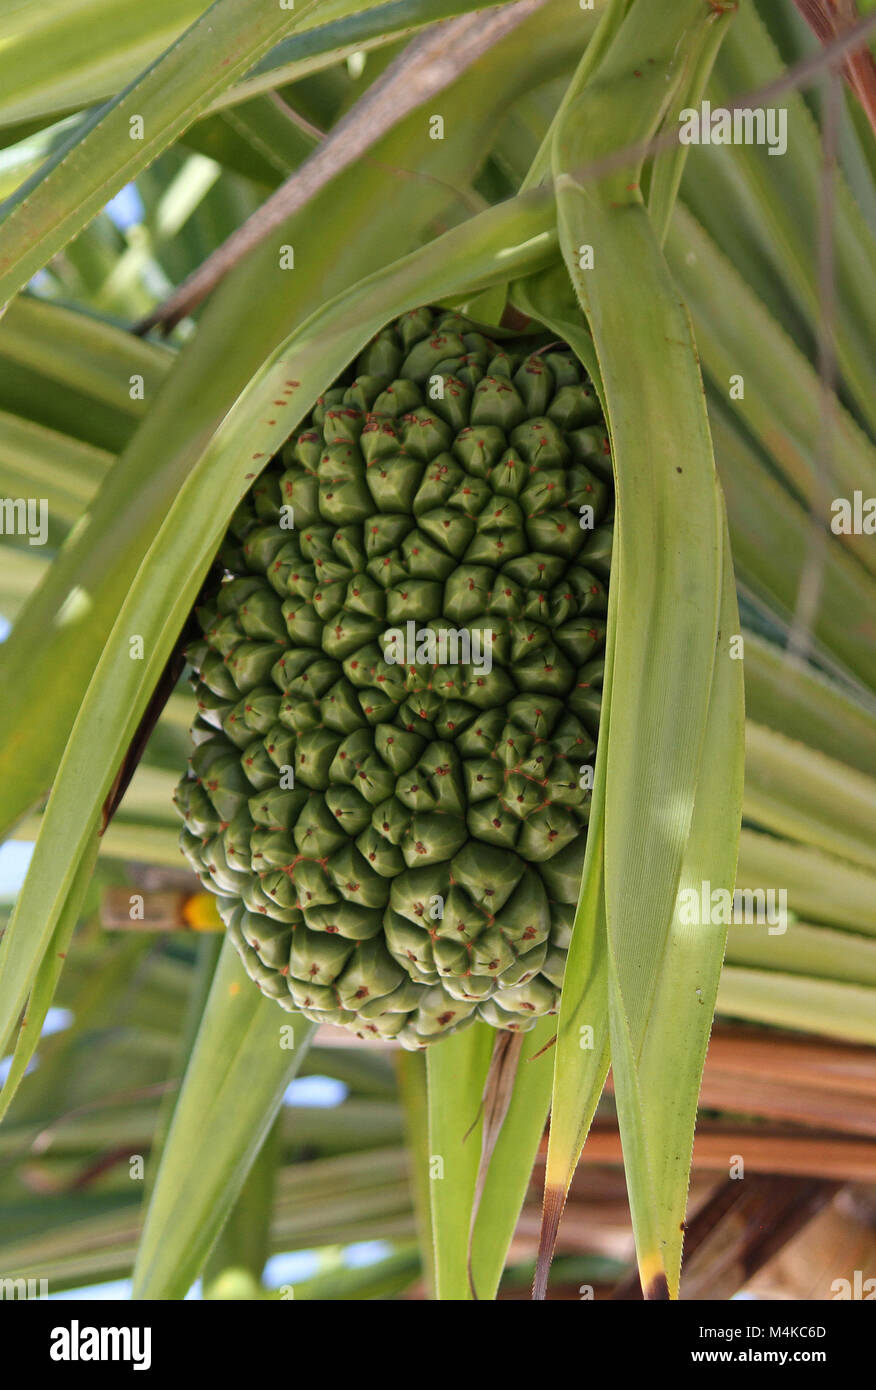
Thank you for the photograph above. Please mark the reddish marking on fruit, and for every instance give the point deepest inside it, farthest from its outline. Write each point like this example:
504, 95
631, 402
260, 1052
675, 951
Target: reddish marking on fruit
255, 456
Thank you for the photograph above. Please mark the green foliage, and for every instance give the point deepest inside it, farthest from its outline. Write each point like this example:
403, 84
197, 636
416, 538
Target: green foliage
143, 449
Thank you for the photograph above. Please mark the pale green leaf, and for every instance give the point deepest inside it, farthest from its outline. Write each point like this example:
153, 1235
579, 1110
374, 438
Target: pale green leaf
798, 948
782, 403
124, 136
244, 1057
665, 730
837, 811
786, 694
820, 887
827, 1007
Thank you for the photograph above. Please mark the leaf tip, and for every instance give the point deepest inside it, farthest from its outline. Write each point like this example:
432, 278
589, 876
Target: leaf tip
655, 1286
554, 1201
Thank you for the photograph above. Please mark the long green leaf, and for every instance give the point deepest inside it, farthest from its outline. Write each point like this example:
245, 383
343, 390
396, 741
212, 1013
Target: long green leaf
803, 949
786, 694
336, 39
510, 1170
674, 1046
45, 982
828, 1007
244, 1057
124, 136
20, 573
412, 1082
457, 1072
838, 811
130, 840
76, 374
61, 54
39, 462
21, 158
244, 1241
782, 403
581, 1057
667, 570
763, 211
771, 537
820, 887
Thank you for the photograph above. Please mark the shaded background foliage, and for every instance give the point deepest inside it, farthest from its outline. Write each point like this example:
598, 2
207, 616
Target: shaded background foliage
779, 291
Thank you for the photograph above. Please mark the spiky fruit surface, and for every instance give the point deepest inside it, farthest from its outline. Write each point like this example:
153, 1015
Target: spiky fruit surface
397, 843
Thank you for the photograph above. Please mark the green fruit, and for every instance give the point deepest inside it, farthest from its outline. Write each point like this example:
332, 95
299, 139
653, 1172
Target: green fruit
398, 688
